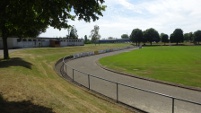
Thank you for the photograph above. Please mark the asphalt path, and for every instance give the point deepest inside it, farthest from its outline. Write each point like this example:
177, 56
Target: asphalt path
146, 101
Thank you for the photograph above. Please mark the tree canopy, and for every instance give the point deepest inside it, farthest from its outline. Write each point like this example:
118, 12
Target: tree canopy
24, 18
136, 36
177, 36
95, 34
151, 35
73, 33
197, 36
188, 37
124, 36
164, 38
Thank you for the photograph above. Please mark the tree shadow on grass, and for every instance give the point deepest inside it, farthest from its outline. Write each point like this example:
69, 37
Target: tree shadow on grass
14, 62
22, 107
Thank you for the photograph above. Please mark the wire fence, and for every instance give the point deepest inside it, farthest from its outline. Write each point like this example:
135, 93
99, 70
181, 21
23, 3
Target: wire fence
146, 100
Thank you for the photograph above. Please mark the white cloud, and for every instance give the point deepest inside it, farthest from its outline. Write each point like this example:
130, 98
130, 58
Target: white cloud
122, 16
127, 5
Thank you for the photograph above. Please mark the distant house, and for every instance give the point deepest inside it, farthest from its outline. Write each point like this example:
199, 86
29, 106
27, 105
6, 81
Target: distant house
14, 42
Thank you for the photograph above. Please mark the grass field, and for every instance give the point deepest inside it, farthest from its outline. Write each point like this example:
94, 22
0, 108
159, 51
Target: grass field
175, 64
28, 83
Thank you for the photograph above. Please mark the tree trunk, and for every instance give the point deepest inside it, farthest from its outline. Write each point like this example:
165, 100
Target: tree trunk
4, 33
5, 45
5, 48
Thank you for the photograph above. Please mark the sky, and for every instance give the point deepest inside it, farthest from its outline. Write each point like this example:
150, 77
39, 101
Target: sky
122, 16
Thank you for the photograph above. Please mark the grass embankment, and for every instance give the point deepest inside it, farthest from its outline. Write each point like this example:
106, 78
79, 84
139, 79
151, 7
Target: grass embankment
176, 64
28, 83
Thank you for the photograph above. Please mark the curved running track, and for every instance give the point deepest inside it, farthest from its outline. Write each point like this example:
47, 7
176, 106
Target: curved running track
145, 101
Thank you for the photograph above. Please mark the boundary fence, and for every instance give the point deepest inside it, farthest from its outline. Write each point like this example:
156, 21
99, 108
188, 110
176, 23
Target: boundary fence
127, 94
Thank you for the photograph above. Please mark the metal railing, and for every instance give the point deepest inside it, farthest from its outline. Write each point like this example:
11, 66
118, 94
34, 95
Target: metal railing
143, 99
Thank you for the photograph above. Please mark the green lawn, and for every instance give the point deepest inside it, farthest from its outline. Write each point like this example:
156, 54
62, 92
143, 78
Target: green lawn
176, 64
28, 83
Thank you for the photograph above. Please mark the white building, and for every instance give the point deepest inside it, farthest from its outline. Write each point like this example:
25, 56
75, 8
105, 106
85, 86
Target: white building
41, 42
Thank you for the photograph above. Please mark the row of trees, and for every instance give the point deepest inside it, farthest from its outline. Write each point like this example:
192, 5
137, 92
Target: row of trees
151, 35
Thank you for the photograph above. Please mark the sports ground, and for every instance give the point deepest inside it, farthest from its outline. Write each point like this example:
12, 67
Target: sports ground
142, 100
174, 64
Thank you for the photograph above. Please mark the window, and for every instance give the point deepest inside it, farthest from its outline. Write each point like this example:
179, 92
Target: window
18, 40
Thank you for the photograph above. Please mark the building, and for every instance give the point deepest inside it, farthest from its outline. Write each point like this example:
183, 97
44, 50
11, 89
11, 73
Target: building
41, 42
115, 41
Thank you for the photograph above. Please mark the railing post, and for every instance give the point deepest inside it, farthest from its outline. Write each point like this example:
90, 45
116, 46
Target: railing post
89, 81
73, 74
65, 68
172, 105
117, 92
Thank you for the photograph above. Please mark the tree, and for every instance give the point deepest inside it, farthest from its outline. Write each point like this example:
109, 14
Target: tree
136, 36
151, 35
95, 34
124, 36
68, 35
73, 33
172, 38
164, 38
86, 40
110, 38
197, 36
144, 39
23, 18
177, 36
188, 37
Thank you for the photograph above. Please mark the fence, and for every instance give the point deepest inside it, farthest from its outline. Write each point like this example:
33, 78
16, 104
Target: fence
145, 100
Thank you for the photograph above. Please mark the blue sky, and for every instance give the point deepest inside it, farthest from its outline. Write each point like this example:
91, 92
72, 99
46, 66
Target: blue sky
122, 16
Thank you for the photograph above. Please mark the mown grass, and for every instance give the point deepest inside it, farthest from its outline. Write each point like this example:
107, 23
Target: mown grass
28, 83
175, 64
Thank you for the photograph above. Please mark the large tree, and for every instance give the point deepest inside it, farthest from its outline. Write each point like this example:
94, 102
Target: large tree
136, 36
85, 39
151, 35
73, 33
144, 39
95, 36
28, 18
188, 37
164, 38
197, 36
177, 36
